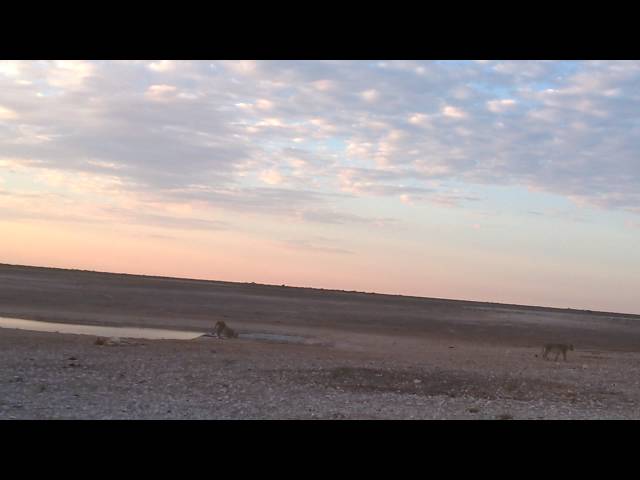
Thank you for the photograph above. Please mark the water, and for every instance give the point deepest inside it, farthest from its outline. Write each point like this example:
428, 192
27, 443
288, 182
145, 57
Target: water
100, 331
131, 332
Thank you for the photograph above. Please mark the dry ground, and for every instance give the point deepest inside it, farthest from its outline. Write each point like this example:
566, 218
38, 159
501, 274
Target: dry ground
368, 357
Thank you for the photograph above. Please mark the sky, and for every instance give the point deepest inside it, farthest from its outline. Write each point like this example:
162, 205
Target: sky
504, 181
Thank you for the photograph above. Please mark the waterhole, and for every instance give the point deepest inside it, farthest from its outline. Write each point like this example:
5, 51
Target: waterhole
132, 332
100, 331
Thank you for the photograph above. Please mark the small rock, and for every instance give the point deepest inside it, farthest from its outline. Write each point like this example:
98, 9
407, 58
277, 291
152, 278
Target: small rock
114, 341
417, 380
504, 416
473, 410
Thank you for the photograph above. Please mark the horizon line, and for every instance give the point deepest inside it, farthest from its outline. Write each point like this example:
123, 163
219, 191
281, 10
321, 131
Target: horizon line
601, 312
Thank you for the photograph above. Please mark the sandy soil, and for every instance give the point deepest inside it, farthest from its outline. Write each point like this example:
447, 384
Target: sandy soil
367, 356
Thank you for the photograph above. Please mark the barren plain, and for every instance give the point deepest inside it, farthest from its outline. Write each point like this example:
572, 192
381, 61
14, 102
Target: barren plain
362, 356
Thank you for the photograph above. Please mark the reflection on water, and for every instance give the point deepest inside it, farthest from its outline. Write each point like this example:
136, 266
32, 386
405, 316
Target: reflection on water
123, 332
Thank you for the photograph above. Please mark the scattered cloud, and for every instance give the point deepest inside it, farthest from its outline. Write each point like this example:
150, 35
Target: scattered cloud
9, 68
7, 114
264, 104
161, 92
163, 66
323, 85
69, 74
453, 112
370, 95
498, 106
272, 177
243, 66
419, 119
567, 128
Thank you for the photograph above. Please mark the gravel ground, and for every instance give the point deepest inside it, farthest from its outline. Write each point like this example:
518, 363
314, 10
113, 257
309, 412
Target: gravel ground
60, 376
365, 356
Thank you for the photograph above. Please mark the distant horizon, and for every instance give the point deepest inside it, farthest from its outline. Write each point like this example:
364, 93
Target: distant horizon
328, 289
512, 182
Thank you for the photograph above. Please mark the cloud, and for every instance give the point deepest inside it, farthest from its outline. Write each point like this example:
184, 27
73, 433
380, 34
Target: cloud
272, 200
419, 119
9, 68
272, 177
7, 114
632, 224
231, 134
453, 112
244, 67
161, 92
163, 66
342, 218
370, 95
169, 221
68, 74
264, 104
323, 85
498, 106
60, 208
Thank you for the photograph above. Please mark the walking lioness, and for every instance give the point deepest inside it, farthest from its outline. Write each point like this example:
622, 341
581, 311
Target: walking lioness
222, 331
558, 348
